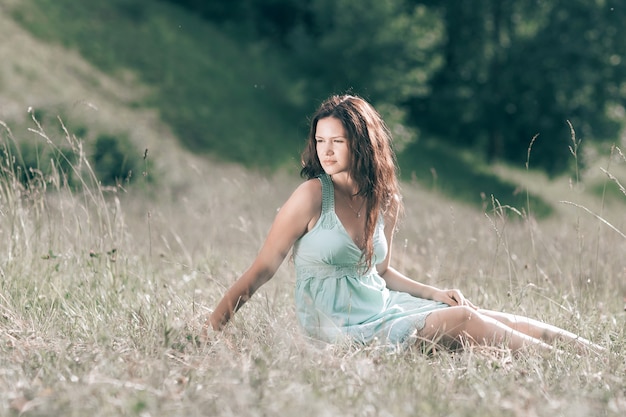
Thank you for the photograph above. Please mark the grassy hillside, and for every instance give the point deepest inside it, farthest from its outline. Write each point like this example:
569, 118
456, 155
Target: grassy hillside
238, 101
232, 99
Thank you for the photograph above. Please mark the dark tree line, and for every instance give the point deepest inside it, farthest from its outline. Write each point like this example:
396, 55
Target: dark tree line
485, 74
515, 69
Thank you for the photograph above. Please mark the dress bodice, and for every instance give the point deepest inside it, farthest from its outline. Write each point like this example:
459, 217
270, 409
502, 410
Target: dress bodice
328, 245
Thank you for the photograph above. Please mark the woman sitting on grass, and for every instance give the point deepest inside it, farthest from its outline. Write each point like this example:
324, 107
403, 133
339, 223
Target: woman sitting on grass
340, 224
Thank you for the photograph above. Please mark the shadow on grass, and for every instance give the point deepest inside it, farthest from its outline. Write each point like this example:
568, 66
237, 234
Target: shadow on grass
609, 191
220, 96
448, 172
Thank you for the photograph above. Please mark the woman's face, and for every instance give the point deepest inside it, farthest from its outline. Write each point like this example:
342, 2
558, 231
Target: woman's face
332, 146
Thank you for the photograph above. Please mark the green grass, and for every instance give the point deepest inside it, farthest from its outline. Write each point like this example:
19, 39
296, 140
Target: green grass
233, 99
466, 178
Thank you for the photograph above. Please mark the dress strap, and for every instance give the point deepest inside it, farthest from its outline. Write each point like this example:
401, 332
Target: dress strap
328, 201
328, 198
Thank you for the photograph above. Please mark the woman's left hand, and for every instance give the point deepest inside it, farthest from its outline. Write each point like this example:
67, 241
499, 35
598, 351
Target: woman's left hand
453, 298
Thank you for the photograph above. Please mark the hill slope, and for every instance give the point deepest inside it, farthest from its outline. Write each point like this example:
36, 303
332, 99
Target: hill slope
218, 95
159, 68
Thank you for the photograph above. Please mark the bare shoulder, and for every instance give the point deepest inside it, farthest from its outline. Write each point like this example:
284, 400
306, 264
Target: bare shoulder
308, 195
304, 206
312, 188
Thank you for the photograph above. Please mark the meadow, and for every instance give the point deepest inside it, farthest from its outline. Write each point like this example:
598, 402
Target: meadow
105, 290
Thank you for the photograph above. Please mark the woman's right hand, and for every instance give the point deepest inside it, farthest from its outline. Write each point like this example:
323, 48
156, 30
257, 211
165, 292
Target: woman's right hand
453, 297
207, 328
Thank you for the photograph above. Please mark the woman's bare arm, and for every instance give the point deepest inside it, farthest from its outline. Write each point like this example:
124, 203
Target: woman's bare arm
291, 222
397, 281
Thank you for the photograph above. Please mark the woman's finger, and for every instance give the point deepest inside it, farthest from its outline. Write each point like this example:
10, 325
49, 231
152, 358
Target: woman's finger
456, 296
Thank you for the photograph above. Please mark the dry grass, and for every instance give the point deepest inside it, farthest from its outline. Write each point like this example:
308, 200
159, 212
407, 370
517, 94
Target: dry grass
104, 292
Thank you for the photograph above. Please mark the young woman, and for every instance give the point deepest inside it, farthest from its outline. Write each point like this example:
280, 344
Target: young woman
340, 224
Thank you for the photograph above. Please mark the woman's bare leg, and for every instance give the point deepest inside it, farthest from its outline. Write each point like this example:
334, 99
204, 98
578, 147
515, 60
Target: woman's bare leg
457, 324
539, 330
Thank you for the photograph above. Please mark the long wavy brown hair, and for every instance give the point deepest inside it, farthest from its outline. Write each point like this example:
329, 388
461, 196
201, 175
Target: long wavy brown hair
373, 168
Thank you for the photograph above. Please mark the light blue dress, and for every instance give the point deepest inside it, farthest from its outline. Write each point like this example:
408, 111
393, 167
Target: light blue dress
337, 299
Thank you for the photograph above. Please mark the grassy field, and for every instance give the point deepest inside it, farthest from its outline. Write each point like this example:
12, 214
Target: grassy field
104, 289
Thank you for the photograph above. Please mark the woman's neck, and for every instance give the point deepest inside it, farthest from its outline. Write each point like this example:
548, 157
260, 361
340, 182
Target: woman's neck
345, 184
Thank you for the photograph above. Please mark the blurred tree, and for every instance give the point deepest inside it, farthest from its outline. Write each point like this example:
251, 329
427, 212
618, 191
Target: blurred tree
271, 19
378, 48
115, 159
515, 69
485, 74
382, 49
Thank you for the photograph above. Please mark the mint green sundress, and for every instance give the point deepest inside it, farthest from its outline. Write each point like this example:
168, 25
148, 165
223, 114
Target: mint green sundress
337, 300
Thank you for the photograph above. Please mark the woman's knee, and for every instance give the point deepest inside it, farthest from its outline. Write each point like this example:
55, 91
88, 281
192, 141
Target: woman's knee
464, 314
454, 319
450, 325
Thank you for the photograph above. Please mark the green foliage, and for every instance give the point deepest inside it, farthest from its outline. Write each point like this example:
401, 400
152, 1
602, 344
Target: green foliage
116, 159
484, 75
249, 19
610, 191
515, 69
382, 50
30, 163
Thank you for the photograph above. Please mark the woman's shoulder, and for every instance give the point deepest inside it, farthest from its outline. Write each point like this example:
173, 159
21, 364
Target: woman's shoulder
307, 197
310, 190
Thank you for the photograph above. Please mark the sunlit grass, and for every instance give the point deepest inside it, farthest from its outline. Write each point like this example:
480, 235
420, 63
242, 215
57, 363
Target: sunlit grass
104, 292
